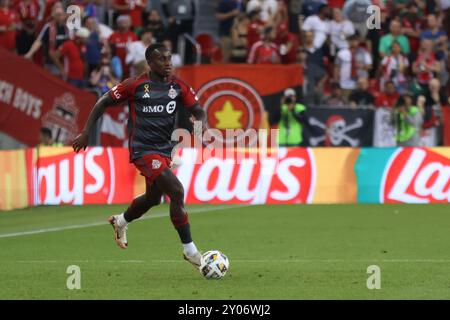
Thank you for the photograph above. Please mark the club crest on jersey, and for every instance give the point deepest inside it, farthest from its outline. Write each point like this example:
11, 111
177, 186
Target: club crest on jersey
156, 164
146, 90
172, 93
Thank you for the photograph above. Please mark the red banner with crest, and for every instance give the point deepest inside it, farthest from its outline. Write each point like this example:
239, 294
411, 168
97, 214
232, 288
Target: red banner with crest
31, 98
238, 96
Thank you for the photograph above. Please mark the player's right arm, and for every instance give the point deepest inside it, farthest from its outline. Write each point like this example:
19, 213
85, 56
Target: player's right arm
116, 95
81, 140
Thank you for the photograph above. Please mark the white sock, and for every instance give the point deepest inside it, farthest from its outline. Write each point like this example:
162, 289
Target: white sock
121, 222
189, 249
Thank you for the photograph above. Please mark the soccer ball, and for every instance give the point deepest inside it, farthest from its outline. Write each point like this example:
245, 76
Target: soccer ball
214, 264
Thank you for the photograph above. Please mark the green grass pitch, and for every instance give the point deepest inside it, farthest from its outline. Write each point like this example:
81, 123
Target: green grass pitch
275, 252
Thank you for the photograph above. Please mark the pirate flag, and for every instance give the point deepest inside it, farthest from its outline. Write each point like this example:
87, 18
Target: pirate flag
338, 127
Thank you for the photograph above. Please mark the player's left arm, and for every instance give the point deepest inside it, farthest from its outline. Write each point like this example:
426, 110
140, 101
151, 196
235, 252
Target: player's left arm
190, 102
197, 114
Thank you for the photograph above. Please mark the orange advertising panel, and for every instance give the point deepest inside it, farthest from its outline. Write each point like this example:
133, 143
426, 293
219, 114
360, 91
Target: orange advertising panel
13, 180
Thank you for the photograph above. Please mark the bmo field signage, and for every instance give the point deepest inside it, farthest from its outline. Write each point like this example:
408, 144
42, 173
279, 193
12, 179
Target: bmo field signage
415, 175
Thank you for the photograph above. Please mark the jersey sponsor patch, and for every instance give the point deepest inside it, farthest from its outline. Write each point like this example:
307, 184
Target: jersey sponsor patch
171, 106
153, 109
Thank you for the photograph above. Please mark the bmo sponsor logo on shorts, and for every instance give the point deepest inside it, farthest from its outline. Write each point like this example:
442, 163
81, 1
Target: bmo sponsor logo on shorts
289, 178
170, 108
416, 175
71, 178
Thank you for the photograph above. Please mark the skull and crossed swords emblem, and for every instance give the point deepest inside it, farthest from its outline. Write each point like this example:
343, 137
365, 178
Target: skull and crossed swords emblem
335, 131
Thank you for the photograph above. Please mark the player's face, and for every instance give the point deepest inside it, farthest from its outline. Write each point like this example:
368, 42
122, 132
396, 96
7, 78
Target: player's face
161, 62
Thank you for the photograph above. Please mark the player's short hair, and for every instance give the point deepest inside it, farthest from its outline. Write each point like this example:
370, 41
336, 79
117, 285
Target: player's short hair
152, 48
46, 132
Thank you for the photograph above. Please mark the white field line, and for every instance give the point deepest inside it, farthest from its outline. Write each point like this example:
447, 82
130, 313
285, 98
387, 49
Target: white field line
100, 223
246, 261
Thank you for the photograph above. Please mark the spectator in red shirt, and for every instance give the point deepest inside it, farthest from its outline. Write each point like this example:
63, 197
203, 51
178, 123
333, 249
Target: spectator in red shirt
388, 98
255, 28
121, 39
28, 13
426, 63
412, 25
288, 44
73, 51
7, 26
264, 51
133, 8
336, 3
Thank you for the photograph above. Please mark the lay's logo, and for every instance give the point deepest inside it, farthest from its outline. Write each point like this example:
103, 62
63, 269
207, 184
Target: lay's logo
415, 175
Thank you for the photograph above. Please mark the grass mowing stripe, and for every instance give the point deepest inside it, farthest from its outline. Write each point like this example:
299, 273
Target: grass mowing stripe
246, 261
99, 223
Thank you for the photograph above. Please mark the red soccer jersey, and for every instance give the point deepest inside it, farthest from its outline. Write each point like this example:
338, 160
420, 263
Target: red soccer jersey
121, 40
424, 61
152, 114
254, 33
291, 56
136, 7
414, 42
264, 53
73, 54
387, 101
336, 3
7, 38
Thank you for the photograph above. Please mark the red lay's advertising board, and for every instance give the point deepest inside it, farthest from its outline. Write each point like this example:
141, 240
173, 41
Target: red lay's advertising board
286, 177
417, 176
96, 176
404, 175
101, 175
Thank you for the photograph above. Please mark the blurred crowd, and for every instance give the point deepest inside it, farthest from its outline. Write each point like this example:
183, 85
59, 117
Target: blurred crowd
340, 45
351, 56
93, 44
394, 54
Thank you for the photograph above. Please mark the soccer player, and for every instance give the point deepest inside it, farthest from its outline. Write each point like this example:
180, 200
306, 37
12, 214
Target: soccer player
153, 100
